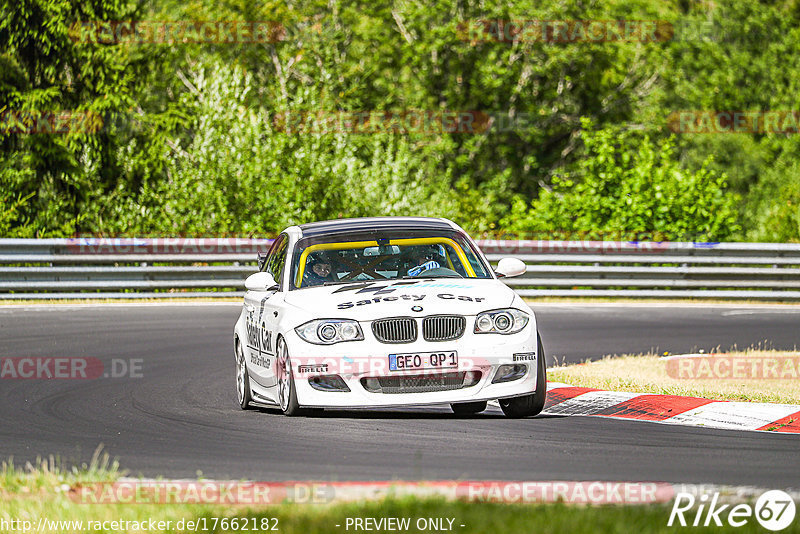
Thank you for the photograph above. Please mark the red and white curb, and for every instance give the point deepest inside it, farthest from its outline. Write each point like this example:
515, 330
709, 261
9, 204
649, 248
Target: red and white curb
563, 399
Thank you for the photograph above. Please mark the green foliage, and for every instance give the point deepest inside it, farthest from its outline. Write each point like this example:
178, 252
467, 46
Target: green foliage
627, 186
772, 211
239, 174
741, 55
189, 143
54, 179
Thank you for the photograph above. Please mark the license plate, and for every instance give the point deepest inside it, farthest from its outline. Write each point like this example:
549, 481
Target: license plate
423, 360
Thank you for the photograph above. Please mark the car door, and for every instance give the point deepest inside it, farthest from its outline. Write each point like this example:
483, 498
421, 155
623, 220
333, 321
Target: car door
262, 313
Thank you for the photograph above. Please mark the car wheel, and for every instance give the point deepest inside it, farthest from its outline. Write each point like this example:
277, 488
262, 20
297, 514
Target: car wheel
468, 408
243, 394
287, 395
530, 405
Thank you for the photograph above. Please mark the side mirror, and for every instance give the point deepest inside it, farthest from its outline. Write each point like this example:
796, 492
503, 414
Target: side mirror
508, 267
262, 259
261, 282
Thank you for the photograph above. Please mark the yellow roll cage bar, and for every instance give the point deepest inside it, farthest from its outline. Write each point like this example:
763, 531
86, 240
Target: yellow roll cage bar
349, 245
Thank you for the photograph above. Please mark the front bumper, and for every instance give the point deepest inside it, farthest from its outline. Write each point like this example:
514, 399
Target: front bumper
353, 361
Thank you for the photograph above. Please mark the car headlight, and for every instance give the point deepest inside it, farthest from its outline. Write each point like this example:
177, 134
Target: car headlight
505, 321
330, 331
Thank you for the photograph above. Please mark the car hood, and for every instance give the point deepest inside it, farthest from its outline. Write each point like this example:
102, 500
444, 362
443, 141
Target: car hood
365, 301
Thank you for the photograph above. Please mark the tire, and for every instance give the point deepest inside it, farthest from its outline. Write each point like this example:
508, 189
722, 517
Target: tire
287, 394
530, 405
468, 408
243, 393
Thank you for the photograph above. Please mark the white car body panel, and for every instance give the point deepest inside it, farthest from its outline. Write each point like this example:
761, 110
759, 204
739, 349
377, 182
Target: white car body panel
268, 315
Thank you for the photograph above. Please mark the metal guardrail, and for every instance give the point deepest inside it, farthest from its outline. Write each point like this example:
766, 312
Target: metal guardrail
165, 268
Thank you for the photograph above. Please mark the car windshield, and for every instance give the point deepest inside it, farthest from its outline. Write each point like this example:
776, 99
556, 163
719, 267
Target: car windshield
336, 259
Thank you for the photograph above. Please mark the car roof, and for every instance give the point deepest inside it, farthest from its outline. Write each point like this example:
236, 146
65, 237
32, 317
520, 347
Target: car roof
366, 224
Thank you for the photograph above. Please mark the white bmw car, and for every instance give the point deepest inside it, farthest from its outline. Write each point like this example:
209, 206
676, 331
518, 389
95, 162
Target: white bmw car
387, 311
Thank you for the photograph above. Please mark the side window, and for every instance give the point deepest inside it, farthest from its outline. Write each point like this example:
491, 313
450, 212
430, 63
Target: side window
277, 259
270, 252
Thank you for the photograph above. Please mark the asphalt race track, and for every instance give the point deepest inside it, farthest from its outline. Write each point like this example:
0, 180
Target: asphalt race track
180, 416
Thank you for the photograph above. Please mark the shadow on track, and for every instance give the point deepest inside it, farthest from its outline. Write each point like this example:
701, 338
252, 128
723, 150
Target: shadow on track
403, 413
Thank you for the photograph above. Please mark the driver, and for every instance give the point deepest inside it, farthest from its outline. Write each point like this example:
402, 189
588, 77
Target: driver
422, 260
318, 271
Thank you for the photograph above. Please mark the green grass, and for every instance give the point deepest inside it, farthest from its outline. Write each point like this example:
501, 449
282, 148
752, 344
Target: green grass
483, 518
649, 374
43, 490
47, 476
490, 518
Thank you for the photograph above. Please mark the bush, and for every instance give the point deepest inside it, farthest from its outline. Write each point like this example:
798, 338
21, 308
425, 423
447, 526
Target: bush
237, 174
627, 186
772, 210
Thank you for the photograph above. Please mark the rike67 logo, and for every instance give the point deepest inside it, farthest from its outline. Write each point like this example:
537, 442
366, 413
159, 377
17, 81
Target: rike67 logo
774, 510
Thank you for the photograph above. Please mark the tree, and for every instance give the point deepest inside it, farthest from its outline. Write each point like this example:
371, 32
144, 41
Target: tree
626, 186
47, 69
